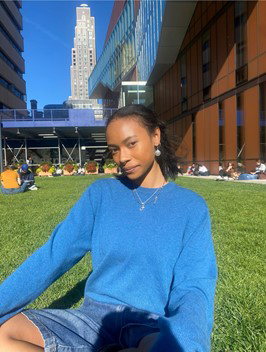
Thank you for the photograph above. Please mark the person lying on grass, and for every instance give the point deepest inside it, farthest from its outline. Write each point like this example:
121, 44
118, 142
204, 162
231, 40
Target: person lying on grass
154, 269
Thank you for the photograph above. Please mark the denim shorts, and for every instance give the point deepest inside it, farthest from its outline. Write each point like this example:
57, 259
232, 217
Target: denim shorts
94, 327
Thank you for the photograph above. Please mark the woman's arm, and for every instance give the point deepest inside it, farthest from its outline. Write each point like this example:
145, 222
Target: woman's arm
68, 243
188, 321
18, 179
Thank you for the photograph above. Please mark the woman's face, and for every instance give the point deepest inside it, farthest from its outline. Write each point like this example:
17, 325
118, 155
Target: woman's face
132, 146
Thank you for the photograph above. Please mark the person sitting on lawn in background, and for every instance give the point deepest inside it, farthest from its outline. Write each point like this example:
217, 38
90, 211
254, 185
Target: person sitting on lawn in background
26, 176
260, 168
11, 183
81, 170
230, 170
154, 270
58, 171
203, 171
221, 172
228, 173
193, 170
179, 169
190, 170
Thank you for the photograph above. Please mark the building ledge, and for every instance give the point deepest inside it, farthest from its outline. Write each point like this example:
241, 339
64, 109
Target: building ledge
176, 19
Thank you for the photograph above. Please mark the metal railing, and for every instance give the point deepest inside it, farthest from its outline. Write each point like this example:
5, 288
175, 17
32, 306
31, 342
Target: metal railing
52, 114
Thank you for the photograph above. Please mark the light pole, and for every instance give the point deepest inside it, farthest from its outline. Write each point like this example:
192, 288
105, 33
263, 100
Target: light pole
1, 148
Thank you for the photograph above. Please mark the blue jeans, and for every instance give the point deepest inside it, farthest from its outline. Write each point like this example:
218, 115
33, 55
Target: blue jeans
95, 326
247, 177
15, 190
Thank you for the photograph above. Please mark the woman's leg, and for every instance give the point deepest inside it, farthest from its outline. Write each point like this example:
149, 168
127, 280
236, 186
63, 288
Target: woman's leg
20, 334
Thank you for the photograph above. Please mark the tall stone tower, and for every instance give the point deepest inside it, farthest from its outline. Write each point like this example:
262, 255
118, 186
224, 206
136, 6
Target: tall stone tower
83, 59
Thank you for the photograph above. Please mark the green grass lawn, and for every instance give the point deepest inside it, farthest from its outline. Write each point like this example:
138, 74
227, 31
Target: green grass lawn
239, 227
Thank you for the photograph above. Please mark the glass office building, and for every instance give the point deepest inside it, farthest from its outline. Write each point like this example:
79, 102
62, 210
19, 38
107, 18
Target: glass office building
129, 53
118, 57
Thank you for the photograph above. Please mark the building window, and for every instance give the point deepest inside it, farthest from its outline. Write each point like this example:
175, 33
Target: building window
221, 132
183, 83
240, 129
10, 64
12, 89
5, 33
206, 66
263, 121
241, 41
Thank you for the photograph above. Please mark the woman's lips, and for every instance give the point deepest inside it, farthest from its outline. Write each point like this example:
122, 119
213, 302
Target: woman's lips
130, 170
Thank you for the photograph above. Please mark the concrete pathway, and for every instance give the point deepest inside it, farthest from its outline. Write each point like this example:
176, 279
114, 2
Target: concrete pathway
214, 177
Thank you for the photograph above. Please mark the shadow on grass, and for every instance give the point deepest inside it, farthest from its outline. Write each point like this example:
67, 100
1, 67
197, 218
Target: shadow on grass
71, 297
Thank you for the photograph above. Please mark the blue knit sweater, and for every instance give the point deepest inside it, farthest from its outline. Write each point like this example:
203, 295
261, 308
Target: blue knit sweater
160, 259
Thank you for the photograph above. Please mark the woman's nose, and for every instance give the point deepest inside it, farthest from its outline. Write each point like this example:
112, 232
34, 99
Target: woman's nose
124, 156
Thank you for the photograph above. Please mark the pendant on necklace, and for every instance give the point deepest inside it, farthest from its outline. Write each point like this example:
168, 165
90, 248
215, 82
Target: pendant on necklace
142, 207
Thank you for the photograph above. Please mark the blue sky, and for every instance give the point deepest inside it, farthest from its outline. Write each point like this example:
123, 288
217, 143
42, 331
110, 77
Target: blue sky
48, 32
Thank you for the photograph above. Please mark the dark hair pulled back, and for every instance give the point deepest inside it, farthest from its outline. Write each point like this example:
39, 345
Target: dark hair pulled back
167, 160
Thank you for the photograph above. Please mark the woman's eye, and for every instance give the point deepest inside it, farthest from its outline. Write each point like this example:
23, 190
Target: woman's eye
113, 151
131, 144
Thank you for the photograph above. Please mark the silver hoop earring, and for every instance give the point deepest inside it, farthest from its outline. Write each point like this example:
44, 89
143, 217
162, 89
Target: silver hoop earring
157, 151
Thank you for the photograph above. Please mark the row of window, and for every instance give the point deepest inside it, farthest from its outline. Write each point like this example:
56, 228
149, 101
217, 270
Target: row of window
10, 15
240, 121
118, 56
84, 55
10, 64
91, 64
11, 41
82, 106
12, 88
90, 45
241, 59
84, 33
148, 28
80, 58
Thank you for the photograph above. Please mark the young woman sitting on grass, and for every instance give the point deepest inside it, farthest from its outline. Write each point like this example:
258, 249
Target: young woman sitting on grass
11, 182
154, 270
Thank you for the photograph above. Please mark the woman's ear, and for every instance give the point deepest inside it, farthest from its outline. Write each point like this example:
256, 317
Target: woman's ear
157, 136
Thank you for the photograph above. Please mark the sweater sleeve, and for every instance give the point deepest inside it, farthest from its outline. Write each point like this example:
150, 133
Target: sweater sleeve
188, 321
68, 243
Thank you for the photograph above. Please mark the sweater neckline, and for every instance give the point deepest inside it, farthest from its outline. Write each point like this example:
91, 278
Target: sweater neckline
130, 185
152, 188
